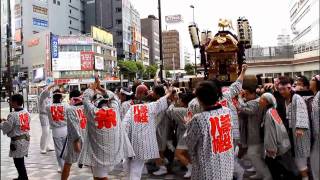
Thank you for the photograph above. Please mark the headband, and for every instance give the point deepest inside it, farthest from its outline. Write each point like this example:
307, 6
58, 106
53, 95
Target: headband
125, 92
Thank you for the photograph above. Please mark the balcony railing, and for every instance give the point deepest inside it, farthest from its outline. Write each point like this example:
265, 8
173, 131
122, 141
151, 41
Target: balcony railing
261, 54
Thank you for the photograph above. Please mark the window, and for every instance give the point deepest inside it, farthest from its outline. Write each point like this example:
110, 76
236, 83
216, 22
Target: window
54, 1
70, 1
70, 32
58, 3
119, 33
70, 22
119, 21
118, 9
70, 11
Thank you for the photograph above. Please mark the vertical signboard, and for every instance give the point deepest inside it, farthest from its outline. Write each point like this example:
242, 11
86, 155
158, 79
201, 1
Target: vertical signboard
54, 46
86, 61
99, 63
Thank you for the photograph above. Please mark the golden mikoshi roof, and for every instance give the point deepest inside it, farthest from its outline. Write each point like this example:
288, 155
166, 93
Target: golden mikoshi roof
222, 42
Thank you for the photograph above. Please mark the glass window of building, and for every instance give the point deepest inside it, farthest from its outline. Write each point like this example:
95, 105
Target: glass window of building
72, 48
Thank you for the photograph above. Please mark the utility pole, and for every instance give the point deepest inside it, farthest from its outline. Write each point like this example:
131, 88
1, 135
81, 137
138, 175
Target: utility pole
195, 49
9, 82
160, 40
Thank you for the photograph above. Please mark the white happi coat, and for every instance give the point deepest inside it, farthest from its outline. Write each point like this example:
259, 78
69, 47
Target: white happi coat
76, 124
17, 124
210, 144
228, 100
275, 134
125, 106
297, 115
57, 116
43, 102
107, 141
141, 127
315, 150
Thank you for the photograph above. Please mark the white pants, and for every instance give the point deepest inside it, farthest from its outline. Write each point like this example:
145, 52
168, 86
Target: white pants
101, 172
301, 163
255, 153
58, 146
46, 138
134, 169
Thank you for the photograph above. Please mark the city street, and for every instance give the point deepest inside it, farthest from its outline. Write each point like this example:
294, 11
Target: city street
43, 166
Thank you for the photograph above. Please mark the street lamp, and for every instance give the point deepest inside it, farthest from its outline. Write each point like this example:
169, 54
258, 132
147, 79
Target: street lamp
160, 40
195, 49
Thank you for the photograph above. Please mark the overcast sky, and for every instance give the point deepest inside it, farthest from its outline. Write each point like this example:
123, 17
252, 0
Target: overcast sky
267, 17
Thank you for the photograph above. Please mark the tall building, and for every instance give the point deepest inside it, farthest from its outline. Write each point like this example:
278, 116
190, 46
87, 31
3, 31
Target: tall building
150, 30
304, 17
171, 49
187, 56
145, 52
120, 18
60, 17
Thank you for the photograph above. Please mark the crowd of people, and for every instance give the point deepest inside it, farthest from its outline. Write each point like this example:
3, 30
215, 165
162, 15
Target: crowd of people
210, 130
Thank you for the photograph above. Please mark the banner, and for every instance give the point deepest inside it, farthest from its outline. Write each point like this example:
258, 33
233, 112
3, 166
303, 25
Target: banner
86, 60
101, 35
39, 22
54, 46
67, 61
173, 19
99, 63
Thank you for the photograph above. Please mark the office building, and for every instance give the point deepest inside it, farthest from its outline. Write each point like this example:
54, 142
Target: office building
150, 30
171, 49
145, 52
120, 18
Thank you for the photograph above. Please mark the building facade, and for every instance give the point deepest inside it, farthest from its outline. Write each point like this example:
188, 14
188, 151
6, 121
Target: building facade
145, 52
150, 30
120, 18
171, 49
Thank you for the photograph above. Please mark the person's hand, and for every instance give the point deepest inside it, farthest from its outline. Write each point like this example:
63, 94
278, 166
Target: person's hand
244, 68
1, 120
271, 153
187, 119
299, 132
268, 86
77, 146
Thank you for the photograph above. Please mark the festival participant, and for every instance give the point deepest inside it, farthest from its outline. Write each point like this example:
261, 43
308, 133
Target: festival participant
140, 123
107, 141
299, 128
249, 105
209, 136
76, 125
46, 136
126, 96
276, 139
177, 113
315, 119
17, 127
57, 119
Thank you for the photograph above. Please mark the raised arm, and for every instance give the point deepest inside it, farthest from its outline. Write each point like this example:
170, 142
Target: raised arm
236, 87
45, 94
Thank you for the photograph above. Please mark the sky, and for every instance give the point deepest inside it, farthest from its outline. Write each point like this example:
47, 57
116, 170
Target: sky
268, 18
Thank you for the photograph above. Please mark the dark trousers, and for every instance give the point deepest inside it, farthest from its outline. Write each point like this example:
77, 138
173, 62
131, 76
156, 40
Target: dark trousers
278, 170
21, 168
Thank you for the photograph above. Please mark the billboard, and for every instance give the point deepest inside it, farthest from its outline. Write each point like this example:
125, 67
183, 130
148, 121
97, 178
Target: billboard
98, 63
18, 35
101, 35
54, 46
177, 18
67, 61
39, 22
38, 74
65, 40
86, 61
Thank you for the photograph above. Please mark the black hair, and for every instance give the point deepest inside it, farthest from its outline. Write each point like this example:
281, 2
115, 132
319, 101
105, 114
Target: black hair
17, 98
74, 93
283, 80
186, 97
159, 90
218, 84
207, 92
57, 96
317, 83
128, 97
304, 81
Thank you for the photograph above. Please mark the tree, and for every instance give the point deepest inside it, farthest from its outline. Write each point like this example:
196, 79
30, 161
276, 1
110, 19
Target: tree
128, 68
168, 74
141, 68
150, 71
189, 68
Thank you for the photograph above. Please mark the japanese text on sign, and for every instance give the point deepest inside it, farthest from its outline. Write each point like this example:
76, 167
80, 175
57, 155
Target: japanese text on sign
57, 113
106, 118
221, 133
24, 122
140, 113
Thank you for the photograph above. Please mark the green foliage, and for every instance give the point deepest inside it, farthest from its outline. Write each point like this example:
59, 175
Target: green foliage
151, 71
189, 68
168, 74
